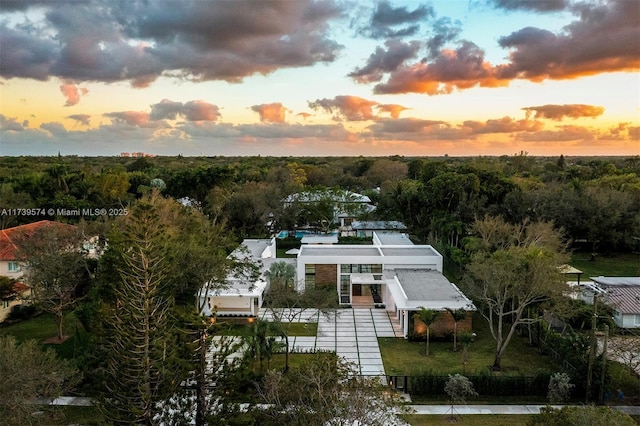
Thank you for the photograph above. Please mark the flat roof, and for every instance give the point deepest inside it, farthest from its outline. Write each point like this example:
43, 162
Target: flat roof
408, 251
363, 250
319, 239
393, 239
338, 250
425, 284
428, 288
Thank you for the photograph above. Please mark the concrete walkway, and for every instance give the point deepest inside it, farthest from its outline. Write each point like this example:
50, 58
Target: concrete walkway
417, 409
500, 409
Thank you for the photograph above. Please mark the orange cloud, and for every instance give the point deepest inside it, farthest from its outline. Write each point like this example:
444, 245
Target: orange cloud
462, 68
133, 118
503, 125
72, 92
393, 109
271, 113
350, 108
558, 112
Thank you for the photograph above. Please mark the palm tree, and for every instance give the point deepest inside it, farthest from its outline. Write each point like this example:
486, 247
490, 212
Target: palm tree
457, 315
281, 276
428, 317
261, 342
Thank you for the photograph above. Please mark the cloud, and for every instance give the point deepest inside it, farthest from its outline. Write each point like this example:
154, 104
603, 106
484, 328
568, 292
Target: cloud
443, 31
271, 113
386, 20
350, 108
382, 61
605, 38
462, 68
416, 130
558, 112
200, 111
564, 134
403, 125
502, 125
531, 5
10, 124
132, 118
81, 118
140, 41
56, 129
72, 92
192, 111
393, 109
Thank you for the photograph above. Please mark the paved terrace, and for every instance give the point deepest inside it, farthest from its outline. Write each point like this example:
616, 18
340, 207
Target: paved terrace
350, 333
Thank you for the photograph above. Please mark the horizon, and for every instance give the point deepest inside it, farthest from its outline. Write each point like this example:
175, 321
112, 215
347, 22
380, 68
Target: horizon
320, 78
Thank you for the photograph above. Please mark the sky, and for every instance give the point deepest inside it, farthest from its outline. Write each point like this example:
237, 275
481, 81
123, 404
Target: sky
320, 77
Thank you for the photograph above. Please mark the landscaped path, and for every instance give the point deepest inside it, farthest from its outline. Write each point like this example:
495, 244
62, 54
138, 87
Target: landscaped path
350, 333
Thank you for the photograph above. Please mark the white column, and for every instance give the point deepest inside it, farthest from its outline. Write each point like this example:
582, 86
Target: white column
405, 327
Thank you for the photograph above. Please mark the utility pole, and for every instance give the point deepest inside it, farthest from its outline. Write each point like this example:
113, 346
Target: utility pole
604, 363
592, 348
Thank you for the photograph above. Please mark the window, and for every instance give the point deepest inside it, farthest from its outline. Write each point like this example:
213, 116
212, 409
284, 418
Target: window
5, 304
14, 267
310, 276
345, 289
637, 320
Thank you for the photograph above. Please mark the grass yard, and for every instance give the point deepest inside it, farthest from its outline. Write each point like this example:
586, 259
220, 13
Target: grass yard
615, 265
43, 327
470, 420
401, 357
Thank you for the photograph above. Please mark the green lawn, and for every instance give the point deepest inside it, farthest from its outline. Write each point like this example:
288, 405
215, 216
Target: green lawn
43, 327
615, 265
401, 357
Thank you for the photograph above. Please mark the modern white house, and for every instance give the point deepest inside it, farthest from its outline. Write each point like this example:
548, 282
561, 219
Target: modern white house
242, 297
392, 273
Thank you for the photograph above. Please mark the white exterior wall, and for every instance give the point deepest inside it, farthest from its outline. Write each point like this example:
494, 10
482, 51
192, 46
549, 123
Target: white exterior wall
387, 262
4, 270
626, 320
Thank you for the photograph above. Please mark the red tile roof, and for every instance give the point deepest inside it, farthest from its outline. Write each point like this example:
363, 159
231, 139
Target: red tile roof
8, 248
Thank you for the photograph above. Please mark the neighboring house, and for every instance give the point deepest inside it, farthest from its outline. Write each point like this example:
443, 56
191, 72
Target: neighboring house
347, 206
393, 272
622, 294
11, 265
242, 297
367, 228
13, 297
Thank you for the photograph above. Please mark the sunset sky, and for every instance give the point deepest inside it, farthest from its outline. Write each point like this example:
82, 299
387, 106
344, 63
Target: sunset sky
320, 78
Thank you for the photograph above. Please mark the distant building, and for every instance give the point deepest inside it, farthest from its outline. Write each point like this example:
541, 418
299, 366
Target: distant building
622, 294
